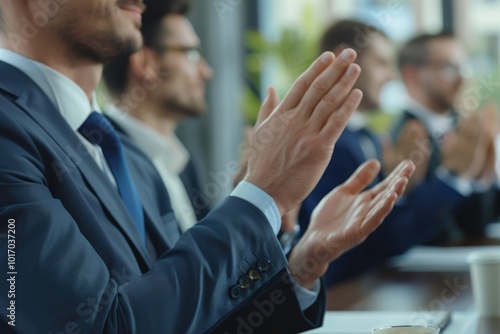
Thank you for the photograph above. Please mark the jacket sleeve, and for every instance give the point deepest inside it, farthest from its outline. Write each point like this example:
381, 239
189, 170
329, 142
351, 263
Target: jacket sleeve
63, 285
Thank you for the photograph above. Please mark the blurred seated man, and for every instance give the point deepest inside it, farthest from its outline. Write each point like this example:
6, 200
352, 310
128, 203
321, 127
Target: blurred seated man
90, 222
454, 144
171, 73
416, 218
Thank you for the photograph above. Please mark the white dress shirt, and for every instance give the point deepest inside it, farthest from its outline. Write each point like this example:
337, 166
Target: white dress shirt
75, 107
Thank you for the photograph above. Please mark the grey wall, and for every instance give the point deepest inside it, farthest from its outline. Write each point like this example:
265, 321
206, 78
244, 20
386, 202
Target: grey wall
215, 138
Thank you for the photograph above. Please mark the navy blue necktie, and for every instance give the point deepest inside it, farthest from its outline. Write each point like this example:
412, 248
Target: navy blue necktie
99, 131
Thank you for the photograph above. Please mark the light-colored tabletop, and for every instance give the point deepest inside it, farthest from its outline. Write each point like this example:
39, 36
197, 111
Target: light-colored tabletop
392, 291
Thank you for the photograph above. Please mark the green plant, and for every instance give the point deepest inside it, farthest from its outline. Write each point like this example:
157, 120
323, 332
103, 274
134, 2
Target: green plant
286, 57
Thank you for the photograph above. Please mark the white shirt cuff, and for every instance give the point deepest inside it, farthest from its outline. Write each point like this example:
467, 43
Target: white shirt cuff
462, 186
306, 297
265, 203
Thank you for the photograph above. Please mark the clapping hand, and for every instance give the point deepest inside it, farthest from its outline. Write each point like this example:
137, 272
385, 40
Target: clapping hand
289, 151
345, 217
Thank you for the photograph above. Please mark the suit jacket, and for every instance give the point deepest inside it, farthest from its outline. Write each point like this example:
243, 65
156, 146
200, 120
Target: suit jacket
189, 177
415, 219
82, 268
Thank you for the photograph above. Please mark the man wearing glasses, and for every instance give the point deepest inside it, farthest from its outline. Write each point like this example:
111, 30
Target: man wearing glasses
177, 72
171, 74
445, 136
422, 214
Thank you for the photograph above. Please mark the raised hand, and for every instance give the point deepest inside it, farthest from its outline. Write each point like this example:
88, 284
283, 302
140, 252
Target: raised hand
413, 144
464, 152
270, 103
490, 124
290, 150
344, 218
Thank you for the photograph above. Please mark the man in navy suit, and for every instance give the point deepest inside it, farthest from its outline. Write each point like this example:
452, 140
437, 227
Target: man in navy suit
458, 142
89, 239
420, 215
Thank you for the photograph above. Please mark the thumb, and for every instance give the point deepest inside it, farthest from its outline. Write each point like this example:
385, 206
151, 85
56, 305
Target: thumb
270, 103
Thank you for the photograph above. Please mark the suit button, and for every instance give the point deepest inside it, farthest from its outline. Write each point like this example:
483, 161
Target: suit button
245, 282
235, 292
264, 265
254, 274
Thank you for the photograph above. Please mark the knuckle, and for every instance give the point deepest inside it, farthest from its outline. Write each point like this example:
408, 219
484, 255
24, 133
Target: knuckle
339, 119
319, 86
330, 99
302, 83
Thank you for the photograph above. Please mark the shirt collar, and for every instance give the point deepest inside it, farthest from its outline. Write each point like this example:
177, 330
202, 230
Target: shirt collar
357, 122
159, 148
438, 124
64, 93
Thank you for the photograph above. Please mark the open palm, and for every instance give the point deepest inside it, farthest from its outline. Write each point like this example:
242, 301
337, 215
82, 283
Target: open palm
345, 217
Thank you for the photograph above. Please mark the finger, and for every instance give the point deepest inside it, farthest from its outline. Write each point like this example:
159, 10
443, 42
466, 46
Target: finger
377, 214
397, 187
336, 96
382, 205
362, 177
270, 103
337, 122
400, 186
302, 84
405, 168
327, 80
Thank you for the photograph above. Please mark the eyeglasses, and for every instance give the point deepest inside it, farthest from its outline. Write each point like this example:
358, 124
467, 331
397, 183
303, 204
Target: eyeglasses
193, 53
450, 71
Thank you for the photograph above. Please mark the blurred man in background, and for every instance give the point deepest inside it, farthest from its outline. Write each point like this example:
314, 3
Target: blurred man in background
455, 145
171, 73
418, 217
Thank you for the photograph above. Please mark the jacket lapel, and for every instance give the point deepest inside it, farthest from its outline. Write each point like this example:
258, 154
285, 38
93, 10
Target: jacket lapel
35, 103
164, 231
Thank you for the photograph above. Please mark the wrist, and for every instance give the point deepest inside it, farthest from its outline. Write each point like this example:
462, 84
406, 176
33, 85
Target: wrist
268, 190
305, 270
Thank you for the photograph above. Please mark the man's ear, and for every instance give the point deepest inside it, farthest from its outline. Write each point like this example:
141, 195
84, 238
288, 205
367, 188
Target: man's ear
144, 65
